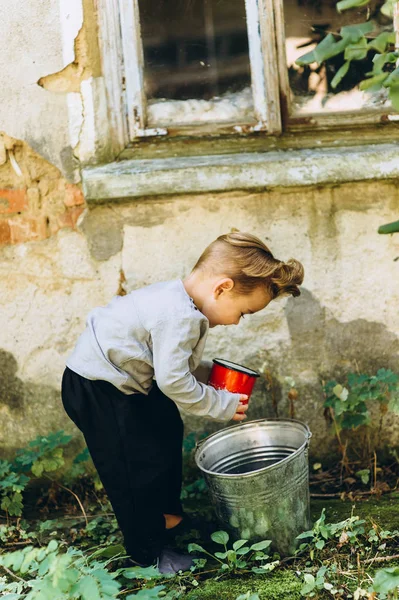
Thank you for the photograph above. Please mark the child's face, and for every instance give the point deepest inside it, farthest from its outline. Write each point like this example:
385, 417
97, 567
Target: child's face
226, 307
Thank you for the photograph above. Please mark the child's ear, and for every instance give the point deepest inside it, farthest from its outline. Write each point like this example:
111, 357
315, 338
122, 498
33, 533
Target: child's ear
223, 285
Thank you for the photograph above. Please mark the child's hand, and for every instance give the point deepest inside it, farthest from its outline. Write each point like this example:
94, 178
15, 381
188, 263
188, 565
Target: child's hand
241, 409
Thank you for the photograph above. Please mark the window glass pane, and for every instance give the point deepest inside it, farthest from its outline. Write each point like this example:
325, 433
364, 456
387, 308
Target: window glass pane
307, 22
196, 50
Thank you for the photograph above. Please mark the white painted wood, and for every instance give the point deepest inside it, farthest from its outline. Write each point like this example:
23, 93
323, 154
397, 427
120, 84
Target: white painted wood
256, 62
112, 67
133, 65
269, 54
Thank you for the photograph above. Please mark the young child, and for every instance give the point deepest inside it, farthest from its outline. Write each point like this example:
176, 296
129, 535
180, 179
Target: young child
132, 370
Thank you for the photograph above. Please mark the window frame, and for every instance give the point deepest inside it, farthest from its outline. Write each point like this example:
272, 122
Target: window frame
265, 86
123, 66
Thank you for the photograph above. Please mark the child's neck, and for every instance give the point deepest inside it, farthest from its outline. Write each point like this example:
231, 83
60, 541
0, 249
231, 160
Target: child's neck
197, 286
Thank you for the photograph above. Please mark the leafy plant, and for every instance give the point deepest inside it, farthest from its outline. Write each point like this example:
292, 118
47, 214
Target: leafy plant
314, 583
347, 531
11, 487
386, 581
349, 403
354, 43
43, 454
48, 573
240, 555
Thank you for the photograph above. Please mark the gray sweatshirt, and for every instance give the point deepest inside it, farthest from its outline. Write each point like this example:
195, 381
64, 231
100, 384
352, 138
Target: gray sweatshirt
155, 332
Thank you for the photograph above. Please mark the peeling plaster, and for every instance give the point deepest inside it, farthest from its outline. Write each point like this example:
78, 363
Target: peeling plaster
85, 102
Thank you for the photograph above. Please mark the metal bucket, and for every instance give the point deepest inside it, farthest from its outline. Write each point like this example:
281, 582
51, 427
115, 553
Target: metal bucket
258, 478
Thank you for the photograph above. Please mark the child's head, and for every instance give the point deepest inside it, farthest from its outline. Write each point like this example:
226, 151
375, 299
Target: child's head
237, 275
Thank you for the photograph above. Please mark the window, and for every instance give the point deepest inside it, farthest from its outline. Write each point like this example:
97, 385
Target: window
196, 67
199, 62
316, 92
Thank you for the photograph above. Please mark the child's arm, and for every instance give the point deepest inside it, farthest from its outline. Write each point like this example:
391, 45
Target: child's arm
203, 371
173, 344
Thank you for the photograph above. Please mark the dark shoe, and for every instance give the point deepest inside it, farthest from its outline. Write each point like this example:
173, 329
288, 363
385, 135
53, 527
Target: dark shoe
172, 562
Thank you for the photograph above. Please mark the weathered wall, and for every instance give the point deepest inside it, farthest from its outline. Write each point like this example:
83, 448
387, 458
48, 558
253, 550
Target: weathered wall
50, 79
59, 259
346, 318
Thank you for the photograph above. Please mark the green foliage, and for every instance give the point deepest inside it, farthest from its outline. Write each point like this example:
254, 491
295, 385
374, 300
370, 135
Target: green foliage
386, 581
322, 533
350, 402
327, 543
314, 583
248, 596
240, 555
48, 573
354, 43
42, 455
11, 487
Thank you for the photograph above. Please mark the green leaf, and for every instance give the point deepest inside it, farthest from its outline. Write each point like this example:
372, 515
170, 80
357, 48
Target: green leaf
5, 467
52, 545
377, 80
347, 4
305, 535
339, 75
393, 78
356, 51
109, 552
387, 8
327, 48
382, 40
243, 551
310, 584
220, 537
355, 420
88, 588
147, 594
221, 555
364, 475
195, 548
238, 544
146, 573
13, 504
386, 580
262, 545
320, 544
353, 33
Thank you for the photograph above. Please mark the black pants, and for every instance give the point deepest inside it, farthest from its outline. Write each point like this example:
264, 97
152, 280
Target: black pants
135, 442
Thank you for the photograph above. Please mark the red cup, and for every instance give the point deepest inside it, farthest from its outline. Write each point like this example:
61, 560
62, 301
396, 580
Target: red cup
226, 375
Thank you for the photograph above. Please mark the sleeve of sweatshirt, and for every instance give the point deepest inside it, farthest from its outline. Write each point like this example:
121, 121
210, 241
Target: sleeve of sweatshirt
173, 343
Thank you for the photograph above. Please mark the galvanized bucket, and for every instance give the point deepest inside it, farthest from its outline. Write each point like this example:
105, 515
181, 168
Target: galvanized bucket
257, 474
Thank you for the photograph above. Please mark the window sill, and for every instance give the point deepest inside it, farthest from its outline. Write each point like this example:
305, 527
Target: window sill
197, 174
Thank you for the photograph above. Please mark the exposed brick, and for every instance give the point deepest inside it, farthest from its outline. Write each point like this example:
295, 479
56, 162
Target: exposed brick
73, 195
13, 200
70, 217
27, 229
5, 232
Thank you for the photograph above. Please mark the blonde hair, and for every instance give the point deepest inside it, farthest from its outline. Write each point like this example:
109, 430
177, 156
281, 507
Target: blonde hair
249, 263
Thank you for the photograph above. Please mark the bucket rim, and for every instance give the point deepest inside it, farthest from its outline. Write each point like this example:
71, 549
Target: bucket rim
232, 366
285, 460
